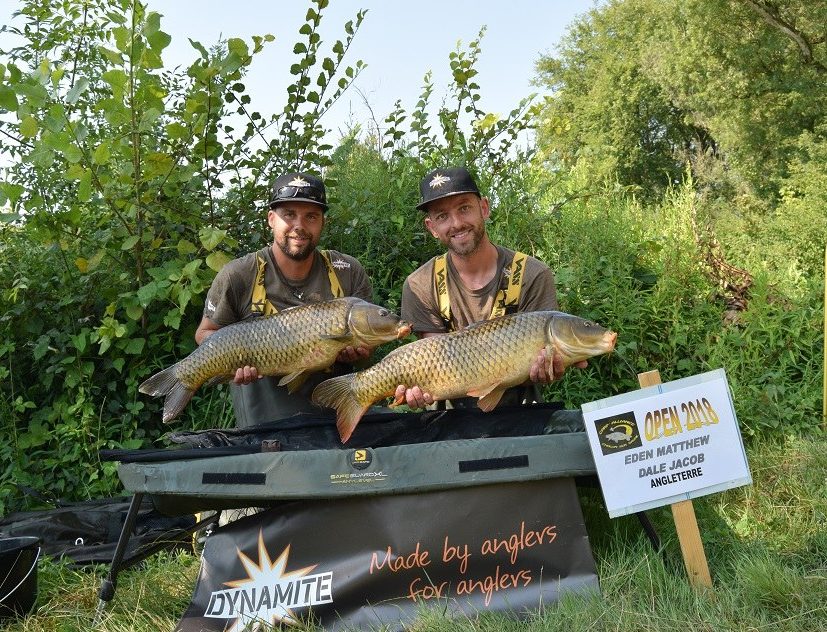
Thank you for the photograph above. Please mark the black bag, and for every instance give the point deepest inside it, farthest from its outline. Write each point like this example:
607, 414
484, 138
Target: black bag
87, 532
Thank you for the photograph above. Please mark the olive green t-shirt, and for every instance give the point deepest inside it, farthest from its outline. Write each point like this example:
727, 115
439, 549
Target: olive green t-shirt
420, 303
229, 300
420, 307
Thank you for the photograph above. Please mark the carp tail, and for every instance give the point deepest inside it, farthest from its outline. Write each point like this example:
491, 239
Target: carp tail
159, 384
337, 393
176, 395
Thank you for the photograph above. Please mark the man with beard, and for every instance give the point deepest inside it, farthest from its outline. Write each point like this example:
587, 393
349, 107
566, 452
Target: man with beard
289, 272
474, 281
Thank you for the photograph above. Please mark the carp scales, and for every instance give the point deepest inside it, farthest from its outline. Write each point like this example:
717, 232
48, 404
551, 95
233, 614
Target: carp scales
293, 343
482, 360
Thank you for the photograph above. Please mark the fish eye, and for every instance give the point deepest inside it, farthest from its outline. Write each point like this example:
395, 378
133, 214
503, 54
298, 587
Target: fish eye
383, 312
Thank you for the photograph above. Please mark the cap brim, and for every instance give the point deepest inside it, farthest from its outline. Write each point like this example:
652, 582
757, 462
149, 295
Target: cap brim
421, 206
298, 199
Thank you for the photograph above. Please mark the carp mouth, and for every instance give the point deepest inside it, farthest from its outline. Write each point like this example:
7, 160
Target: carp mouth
403, 329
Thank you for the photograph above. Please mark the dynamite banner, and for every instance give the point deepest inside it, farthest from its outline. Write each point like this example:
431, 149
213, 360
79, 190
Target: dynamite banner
375, 560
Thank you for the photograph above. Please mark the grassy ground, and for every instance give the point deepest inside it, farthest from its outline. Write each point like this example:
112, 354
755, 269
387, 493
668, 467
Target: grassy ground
766, 545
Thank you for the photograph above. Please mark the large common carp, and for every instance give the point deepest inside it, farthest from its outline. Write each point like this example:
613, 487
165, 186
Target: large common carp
292, 343
482, 360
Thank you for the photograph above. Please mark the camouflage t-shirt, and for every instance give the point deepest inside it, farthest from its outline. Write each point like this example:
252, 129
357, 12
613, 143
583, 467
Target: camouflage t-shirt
229, 300
420, 303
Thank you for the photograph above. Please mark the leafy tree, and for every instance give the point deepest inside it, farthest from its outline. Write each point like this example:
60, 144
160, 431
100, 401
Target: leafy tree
751, 72
607, 111
128, 187
643, 86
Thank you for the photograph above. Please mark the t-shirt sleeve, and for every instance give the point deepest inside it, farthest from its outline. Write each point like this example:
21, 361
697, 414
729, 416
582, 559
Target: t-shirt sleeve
360, 282
540, 291
221, 303
418, 307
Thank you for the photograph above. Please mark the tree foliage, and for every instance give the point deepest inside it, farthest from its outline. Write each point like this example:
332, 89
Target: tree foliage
642, 87
128, 187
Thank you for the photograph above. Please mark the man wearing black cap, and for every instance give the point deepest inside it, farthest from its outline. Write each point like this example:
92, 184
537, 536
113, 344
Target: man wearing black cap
289, 272
475, 280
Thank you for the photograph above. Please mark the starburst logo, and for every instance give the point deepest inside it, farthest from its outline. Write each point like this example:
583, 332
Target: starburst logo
340, 264
298, 182
270, 593
438, 180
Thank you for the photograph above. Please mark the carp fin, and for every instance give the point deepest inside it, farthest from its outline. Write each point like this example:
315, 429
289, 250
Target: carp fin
293, 381
489, 397
159, 384
218, 379
337, 393
166, 383
177, 398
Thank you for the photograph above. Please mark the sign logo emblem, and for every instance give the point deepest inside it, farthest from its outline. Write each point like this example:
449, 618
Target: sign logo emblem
618, 433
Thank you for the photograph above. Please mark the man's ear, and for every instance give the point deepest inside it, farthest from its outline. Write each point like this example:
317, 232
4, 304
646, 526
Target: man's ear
485, 207
427, 222
271, 218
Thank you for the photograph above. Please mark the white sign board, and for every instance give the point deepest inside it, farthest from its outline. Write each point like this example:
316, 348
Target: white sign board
666, 443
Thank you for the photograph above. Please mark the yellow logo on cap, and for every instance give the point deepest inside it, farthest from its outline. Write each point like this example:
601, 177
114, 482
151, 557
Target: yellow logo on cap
438, 181
298, 182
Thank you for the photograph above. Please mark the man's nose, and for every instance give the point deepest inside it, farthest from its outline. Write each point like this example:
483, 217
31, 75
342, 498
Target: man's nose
456, 220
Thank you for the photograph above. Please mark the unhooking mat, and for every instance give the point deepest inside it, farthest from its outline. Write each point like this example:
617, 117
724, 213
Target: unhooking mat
389, 453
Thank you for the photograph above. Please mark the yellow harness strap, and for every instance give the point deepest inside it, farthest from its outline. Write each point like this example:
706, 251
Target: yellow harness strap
335, 287
441, 286
510, 296
505, 302
260, 303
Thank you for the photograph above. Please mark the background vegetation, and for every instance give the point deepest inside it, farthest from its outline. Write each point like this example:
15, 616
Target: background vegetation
674, 181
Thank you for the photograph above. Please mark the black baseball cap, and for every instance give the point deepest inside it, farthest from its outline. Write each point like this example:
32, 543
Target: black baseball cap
441, 183
298, 187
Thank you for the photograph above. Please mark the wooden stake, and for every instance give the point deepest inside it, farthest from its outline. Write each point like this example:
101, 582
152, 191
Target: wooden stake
686, 525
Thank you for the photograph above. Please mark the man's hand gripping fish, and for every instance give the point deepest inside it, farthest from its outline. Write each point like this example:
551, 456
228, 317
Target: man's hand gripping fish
482, 360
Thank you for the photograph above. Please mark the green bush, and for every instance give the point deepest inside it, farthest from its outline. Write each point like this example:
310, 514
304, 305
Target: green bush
126, 189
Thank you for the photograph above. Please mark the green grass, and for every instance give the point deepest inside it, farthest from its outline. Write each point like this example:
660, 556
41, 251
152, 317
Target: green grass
766, 545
